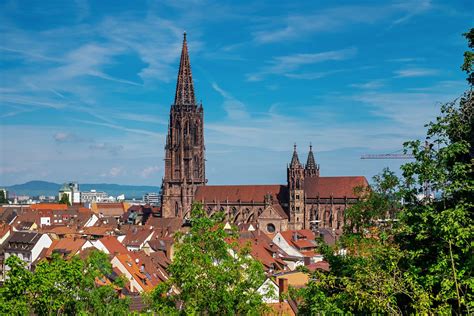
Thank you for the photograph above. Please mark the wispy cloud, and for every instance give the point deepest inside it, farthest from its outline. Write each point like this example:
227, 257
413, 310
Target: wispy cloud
149, 171
122, 128
113, 172
107, 147
370, 85
286, 65
235, 109
333, 19
415, 72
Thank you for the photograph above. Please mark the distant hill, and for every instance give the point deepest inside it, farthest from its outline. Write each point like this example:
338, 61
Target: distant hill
36, 188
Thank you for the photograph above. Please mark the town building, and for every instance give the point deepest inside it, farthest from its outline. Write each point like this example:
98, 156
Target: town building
26, 245
152, 198
306, 201
93, 196
71, 189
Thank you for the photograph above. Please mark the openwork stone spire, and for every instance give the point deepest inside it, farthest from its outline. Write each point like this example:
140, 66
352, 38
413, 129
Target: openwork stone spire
184, 86
310, 163
311, 168
295, 162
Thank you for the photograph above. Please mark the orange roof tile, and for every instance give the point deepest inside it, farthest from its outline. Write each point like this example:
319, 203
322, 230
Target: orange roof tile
48, 206
66, 246
145, 280
113, 245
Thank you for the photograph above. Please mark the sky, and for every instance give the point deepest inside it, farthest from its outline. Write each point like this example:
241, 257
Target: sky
86, 86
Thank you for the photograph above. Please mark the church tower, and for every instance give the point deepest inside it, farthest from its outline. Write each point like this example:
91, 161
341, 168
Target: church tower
311, 168
295, 178
184, 149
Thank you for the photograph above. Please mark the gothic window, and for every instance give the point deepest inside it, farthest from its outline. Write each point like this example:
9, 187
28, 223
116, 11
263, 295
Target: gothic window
297, 208
234, 210
209, 210
176, 209
196, 166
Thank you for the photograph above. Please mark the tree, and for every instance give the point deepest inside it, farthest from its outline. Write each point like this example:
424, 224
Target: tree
377, 203
207, 275
3, 198
64, 199
61, 286
425, 264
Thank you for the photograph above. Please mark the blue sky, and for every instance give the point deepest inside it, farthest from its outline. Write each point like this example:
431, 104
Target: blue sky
86, 86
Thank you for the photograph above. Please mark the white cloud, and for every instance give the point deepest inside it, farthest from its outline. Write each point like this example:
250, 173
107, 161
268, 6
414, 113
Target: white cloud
370, 85
415, 72
286, 65
235, 109
333, 19
113, 172
149, 171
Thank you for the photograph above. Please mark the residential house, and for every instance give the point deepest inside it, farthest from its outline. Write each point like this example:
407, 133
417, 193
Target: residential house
139, 279
26, 245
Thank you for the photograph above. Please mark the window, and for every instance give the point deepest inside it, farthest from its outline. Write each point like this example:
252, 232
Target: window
297, 208
270, 228
297, 197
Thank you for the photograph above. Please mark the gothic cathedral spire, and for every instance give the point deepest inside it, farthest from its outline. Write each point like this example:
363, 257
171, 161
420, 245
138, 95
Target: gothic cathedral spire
184, 149
184, 85
311, 169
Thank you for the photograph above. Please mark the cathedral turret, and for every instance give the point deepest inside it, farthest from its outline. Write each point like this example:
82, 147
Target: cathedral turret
184, 149
295, 178
311, 168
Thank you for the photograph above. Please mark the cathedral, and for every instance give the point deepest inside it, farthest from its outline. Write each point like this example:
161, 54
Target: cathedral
306, 201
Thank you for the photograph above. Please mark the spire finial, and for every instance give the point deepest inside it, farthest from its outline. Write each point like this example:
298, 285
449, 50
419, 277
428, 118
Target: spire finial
184, 35
310, 146
295, 162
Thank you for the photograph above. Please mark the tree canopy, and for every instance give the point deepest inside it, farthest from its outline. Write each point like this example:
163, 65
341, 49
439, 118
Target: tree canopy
423, 262
61, 287
208, 275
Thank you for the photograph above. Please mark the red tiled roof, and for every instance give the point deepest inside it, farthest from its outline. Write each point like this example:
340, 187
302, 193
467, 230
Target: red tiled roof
70, 245
113, 245
305, 238
48, 206
136, 236
320, 265
97, 230
244, 193
145, 280
337, 187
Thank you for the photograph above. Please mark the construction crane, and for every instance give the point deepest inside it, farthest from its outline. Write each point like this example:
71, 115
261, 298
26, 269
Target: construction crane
387, 156
398, 155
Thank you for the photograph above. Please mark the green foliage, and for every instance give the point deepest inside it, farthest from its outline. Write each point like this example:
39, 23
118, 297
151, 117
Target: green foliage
3, 198
376, 203
468, 65
61, 287
207, 275
64, 199
424, 264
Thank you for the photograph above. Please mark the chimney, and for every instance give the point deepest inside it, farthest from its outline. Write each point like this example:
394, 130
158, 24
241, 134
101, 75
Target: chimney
307, 261
282, 287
